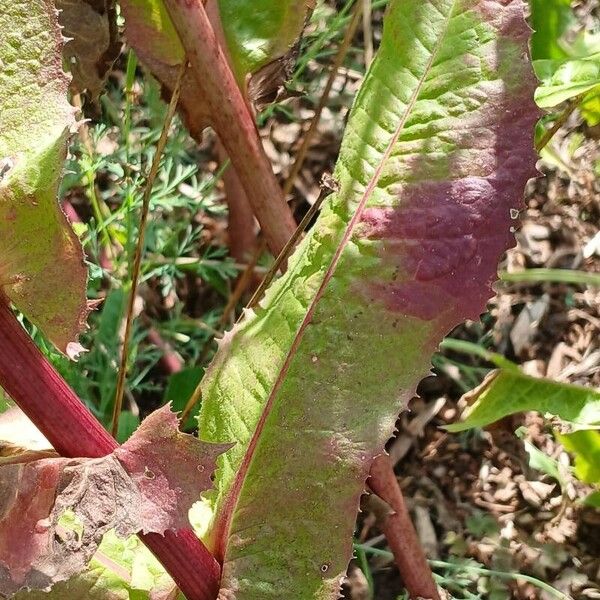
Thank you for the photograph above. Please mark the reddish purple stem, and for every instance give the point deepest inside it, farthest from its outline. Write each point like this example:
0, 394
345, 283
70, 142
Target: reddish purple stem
41, 393
232, 120
400, 533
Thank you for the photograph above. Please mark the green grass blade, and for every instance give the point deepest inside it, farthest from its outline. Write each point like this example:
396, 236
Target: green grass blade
552, 276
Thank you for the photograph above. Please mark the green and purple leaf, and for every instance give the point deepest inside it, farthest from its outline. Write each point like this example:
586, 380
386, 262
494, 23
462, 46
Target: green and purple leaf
146, 485
438, 149
121, 569
41, 260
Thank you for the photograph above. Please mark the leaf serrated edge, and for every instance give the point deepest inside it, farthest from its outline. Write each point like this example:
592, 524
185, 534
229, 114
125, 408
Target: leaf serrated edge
225, 516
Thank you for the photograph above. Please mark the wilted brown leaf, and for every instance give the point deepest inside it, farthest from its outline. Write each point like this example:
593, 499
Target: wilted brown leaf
146, 485
93, 42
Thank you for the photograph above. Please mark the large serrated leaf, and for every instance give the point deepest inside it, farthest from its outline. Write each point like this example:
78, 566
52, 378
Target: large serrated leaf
436, 155
41, 260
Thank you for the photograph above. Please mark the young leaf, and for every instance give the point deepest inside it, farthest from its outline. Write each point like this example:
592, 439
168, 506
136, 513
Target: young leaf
575, 73
41, 260
436, 154
563, 80
541, 461
585, 445
550, 20
590, 107
93, 42
593, 499
180, 388
146, 485
504, 393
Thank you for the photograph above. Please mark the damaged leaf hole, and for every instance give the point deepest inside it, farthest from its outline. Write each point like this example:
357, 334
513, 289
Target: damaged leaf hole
6, 165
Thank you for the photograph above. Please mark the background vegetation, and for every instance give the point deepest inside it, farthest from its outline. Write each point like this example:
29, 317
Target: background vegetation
501, 515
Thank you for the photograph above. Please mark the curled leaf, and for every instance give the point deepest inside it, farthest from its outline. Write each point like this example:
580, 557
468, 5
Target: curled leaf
55, 511
262, 38
121, 569
93, 42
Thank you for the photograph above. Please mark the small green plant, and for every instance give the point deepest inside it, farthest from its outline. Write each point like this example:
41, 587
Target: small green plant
573, 410
460, 576
174, 248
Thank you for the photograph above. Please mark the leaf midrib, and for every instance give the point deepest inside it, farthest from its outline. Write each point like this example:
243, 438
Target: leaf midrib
225, 516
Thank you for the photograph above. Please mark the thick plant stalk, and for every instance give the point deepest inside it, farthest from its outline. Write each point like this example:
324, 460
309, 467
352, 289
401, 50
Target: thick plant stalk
241, 224
400, 532
42, 394
233, 121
